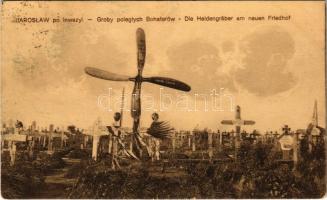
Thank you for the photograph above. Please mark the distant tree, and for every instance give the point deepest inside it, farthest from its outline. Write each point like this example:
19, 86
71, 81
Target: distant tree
71, 129
19, 124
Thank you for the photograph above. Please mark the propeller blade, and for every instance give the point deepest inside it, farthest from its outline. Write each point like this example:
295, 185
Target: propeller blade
168, 82
98, 73
141, 50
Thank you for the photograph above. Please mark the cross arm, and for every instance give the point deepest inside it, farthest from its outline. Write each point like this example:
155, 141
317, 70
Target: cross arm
249, 122
227, 122
99, 131
14, 137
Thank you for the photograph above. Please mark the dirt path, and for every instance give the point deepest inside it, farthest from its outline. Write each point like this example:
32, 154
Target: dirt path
56, 184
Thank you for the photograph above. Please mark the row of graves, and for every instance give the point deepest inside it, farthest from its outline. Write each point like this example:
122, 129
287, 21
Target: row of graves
202, 140
19, 139
206, 144
102, 140
209, 142
201, 144
99, 140
117, 141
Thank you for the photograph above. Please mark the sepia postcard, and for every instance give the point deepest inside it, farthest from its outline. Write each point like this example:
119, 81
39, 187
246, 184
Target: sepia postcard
163, 99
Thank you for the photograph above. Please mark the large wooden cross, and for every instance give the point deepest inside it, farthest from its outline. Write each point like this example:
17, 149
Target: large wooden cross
96, 131
238, 122
12, 139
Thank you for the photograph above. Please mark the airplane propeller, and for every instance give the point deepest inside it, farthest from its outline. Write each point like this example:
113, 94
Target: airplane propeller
138, 79
141, 52
99, 73
168, 82
163, 81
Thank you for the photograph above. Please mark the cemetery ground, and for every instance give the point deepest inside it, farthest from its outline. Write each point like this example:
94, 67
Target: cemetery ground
57, 182
41, 176
257, 173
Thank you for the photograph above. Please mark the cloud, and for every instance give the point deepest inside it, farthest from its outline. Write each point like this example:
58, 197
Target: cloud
264, 70
199, 63
64, 54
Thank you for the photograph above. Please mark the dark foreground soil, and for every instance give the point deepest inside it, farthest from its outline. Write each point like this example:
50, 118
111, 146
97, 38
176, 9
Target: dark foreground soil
56, 184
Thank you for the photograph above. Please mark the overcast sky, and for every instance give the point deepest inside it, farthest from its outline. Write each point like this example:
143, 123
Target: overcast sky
273, 70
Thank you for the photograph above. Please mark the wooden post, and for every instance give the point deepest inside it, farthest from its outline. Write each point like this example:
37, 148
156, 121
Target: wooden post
114, 146
44, 140
95, 147
62, 138
210, 150
12, 152
86, 138
50, 142
12, 139
189, 140
30, 146
236, 145
174, 141
131, 144
295, 149
96, 131
193, 143
39, 141
220, 140
50, 148
110, 144
114, 143
157, 149
2, 144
